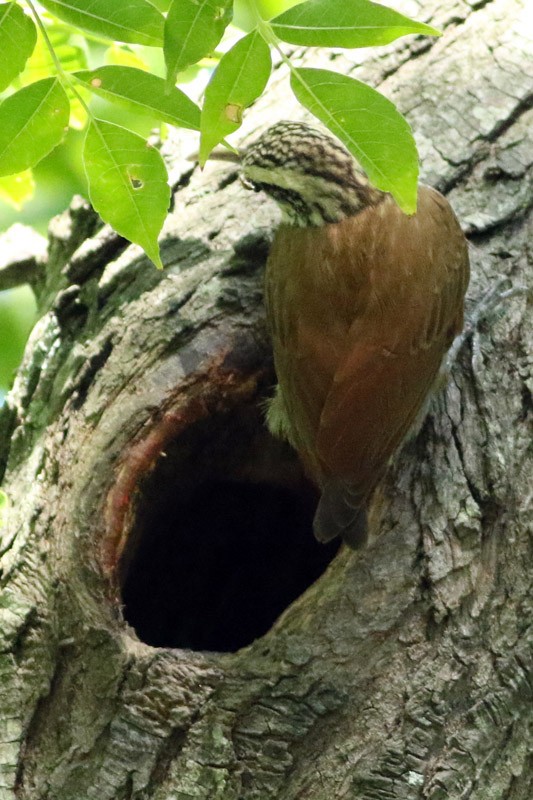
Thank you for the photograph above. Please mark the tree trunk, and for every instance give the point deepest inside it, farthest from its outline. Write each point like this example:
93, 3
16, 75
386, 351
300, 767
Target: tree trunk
156, 640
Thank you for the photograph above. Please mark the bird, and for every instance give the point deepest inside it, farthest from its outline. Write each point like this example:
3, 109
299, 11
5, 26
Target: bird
362, 302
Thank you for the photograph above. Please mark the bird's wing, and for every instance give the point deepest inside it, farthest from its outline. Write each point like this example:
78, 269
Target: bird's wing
307, 349
418, 271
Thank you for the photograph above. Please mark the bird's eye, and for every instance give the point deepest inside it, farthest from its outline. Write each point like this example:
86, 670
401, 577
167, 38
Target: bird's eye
248, 184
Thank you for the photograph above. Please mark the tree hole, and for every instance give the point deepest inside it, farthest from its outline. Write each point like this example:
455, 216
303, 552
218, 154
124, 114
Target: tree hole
223, 540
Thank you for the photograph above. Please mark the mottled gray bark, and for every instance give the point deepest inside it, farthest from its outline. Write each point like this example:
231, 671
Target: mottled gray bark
403, 671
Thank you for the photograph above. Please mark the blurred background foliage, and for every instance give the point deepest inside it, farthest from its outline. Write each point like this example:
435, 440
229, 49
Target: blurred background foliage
60, 175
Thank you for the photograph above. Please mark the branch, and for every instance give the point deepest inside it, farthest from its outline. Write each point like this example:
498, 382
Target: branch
22, 255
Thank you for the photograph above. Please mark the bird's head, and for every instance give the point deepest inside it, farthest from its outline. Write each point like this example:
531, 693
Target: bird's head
311, 175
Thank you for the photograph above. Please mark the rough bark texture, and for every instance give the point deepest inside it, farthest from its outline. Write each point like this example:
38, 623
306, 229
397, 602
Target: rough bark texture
403, 671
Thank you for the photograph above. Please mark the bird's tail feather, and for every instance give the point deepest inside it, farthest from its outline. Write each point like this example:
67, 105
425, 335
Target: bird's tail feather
341, 512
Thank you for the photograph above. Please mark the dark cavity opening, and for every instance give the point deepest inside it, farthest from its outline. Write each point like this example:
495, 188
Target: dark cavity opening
223, 539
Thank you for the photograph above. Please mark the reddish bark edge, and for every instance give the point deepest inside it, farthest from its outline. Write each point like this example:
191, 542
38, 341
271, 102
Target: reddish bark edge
212, 390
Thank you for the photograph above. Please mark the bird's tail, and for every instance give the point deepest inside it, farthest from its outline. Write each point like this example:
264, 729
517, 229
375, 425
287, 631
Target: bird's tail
341, 512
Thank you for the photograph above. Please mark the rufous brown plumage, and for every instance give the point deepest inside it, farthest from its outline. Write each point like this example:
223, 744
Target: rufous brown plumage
363, 303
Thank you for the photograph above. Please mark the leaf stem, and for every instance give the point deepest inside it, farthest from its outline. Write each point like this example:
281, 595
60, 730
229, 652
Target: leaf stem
63, 76
265, 30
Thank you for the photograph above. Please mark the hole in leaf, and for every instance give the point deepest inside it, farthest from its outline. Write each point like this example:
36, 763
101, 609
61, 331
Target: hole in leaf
223, 540
233, 113
136, 182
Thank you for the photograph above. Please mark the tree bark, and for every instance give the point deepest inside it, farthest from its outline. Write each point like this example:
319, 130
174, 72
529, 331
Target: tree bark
139, 473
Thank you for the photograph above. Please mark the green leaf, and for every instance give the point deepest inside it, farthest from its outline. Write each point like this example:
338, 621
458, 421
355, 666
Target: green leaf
123, 56
239, 79
16, 190
32, 122
17, 317
4, 508
70, 55
193, 28
345, 23
121, 20
17, 40
127, 184
147, 93
370, 126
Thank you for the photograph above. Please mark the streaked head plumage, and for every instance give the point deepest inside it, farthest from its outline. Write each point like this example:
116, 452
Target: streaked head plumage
311, 175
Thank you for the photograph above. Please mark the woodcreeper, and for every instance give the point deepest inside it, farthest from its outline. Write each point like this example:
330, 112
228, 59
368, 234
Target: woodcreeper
363, 302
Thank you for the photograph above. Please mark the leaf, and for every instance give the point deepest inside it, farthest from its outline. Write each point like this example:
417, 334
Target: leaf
4, 508
127, 184
17, 40
147, 93
123, 56
71, 56
345, 23
16, 190
193, 28
239, 79
370, 126
32, 122
121, 20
